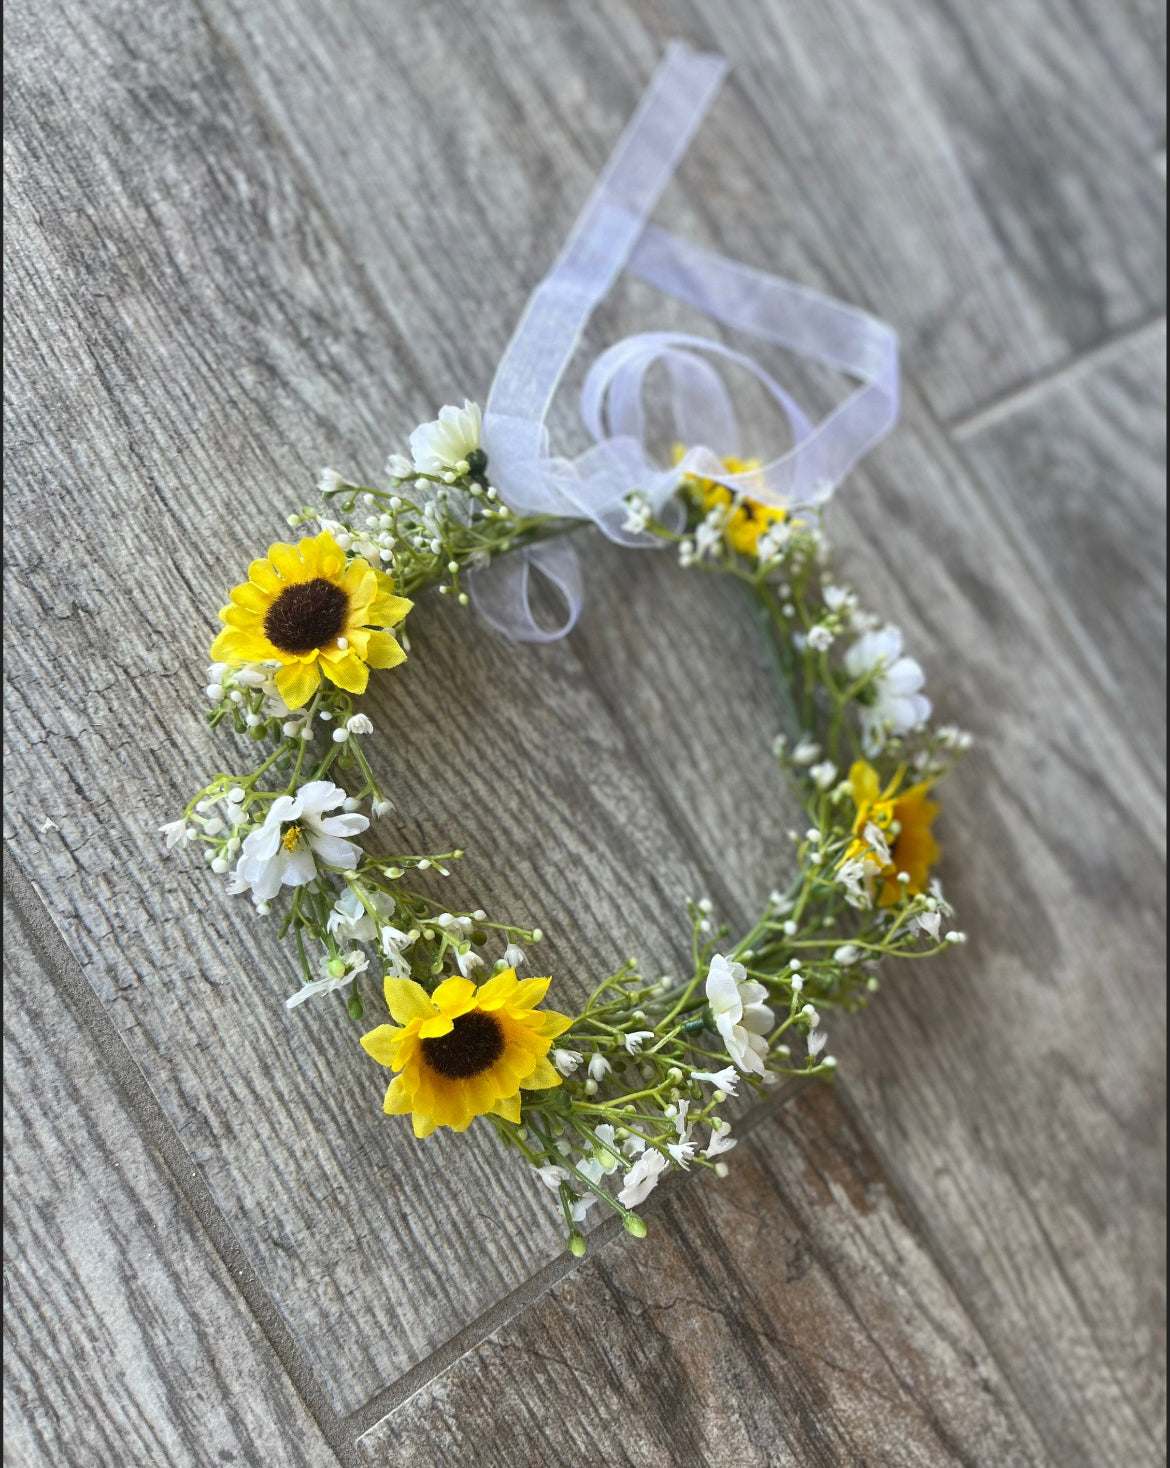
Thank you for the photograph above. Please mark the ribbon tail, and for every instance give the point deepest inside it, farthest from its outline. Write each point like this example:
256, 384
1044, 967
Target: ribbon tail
501, 593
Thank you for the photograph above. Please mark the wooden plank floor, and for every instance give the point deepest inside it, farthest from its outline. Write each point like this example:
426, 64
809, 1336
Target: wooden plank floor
247, 239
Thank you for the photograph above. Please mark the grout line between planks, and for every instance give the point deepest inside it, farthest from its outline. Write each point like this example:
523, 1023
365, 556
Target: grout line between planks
525, 1296
162, 1139
1066, 374
339, 1431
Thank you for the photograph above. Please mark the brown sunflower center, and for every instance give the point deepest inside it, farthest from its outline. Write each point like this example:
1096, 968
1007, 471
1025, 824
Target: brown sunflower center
474, 1045
306, 615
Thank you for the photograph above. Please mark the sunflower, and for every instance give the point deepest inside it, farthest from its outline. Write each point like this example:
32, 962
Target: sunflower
905, 820
463, 1052
749, 519
307, 609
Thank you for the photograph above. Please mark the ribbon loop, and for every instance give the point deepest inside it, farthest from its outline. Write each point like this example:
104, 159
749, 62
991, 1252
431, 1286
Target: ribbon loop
612, 233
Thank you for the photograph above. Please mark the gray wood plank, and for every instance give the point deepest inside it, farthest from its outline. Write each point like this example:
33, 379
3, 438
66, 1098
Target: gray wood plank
1078, 468
981, 174
986, 164
187, 342
126, 1341
787, 1315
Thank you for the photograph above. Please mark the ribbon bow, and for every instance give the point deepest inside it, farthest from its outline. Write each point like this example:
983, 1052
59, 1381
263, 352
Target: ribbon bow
610, 234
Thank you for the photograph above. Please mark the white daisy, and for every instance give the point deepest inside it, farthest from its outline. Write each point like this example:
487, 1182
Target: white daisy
295, 834
897, 705
741, 1017
446, 443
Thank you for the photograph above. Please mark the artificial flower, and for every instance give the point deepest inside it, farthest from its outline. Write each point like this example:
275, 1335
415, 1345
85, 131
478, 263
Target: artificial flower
721, 1141
599, 1067
463, 1052
297, 833
447, 443
892, 832
746, 520
350, 917
307, 609
891, 702
741, 1017
566, 1061
349, 966
723, 1080
642, 1178
606, 1152
178, 833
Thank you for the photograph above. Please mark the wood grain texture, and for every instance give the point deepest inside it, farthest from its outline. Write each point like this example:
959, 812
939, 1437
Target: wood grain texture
787, 1315
126, 1342
187, 336
1078, 469
981, 173
986, 168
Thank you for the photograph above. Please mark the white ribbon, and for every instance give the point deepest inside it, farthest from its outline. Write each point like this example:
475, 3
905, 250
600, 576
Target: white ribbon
612, 233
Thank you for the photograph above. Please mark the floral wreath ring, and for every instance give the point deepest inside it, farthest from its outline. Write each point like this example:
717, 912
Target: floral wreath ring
604, 1102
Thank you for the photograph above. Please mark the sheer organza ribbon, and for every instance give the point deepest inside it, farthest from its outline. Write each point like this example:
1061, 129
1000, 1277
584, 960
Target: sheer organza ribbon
612, 233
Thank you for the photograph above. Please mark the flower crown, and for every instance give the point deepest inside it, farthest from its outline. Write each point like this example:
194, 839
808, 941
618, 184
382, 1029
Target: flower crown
603, 1102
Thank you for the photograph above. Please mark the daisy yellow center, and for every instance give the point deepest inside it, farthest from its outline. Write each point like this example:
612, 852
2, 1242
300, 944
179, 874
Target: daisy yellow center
474, 1045
306, 615
293, 837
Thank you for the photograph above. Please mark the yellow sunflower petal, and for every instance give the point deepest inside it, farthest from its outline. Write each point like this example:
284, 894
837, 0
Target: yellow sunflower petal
436, 1025
423, 1125
262, 574
508, 1108
529, 993
286, 562
547, 1023
454, 996
407, 1000
323, 552
542, 1077
297, 682
388, 611
863, 783
398, 1098
234, 645
497, 991
348, 672
384, 651
381, 1043
360, 583
251, 597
